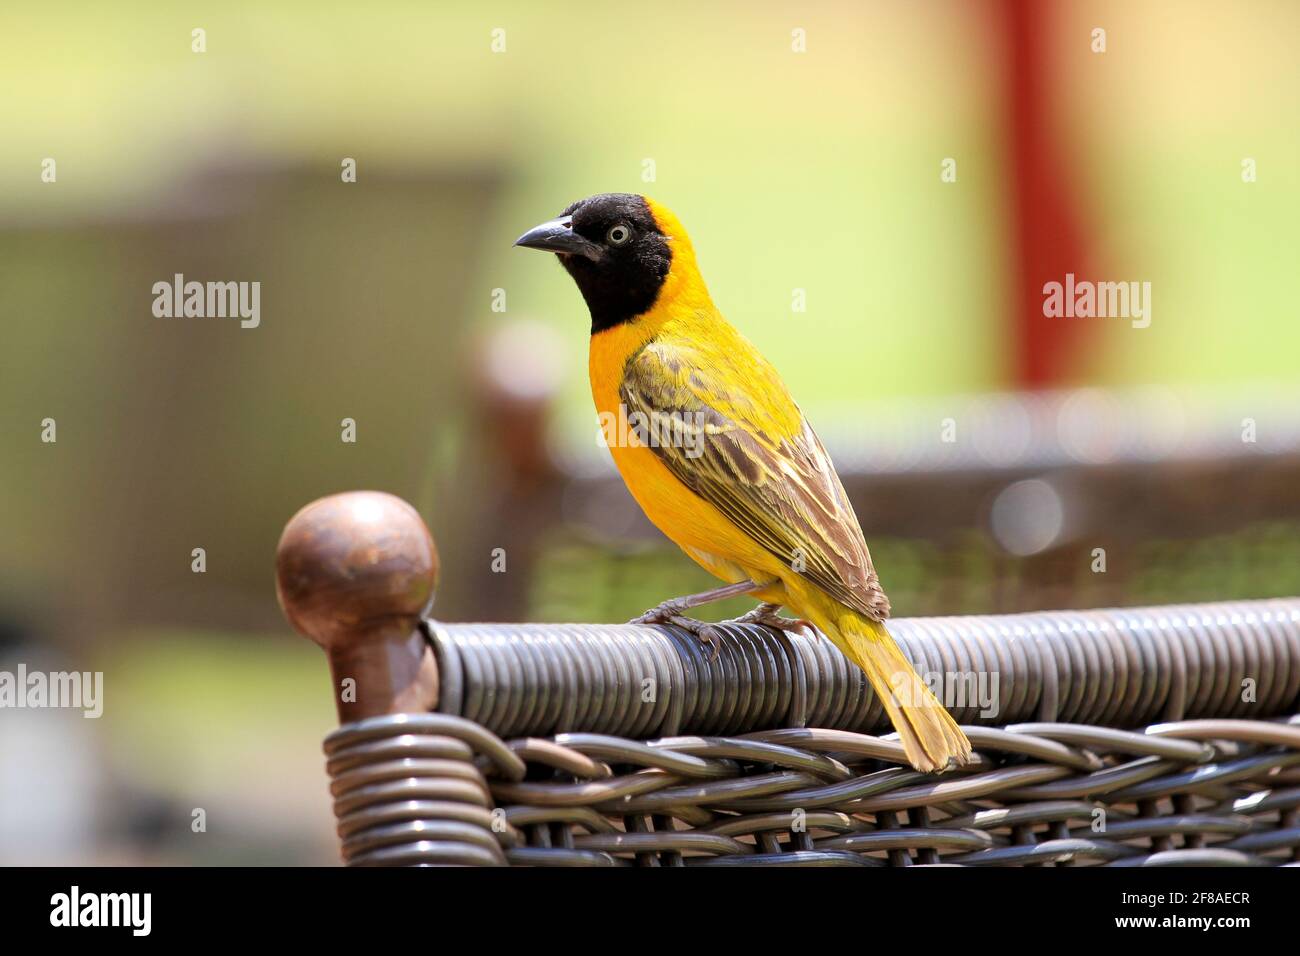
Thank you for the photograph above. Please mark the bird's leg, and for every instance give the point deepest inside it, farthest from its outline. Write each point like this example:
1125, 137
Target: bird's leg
766, 615
672, 612
674, 607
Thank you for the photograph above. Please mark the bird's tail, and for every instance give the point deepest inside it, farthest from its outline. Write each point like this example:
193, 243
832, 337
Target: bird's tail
930, 737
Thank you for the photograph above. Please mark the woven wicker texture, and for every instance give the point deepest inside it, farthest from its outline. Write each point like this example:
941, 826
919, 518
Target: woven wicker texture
430, 788
778, 769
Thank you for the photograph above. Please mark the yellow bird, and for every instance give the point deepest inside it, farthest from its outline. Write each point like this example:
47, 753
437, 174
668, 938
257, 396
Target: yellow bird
721, 459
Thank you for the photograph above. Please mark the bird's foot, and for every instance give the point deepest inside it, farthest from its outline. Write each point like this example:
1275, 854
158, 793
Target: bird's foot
766, 615
661, 613
670, 612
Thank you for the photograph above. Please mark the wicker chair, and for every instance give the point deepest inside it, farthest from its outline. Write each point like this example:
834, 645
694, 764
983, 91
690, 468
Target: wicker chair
1124, 737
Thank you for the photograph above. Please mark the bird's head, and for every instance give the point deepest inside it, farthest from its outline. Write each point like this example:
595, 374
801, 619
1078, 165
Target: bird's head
625, 252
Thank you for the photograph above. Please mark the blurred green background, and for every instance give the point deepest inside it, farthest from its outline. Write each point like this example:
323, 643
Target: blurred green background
816, 171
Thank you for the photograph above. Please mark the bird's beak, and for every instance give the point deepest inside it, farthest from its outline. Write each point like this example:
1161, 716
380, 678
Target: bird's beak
558, 236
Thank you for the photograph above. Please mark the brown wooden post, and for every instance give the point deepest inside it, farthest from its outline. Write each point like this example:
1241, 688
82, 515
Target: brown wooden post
355, 572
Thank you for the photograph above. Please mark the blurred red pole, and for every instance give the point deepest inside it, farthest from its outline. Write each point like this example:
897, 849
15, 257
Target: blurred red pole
1047, 232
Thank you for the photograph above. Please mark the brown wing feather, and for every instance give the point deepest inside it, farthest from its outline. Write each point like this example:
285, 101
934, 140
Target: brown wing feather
712, 433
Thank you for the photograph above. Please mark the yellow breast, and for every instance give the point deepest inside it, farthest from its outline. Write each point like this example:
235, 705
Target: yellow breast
688, 520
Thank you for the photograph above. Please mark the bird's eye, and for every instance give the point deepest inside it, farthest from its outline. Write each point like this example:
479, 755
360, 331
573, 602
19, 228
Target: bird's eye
618, 235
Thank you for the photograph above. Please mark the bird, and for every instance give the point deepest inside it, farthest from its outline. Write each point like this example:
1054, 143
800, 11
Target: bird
720, 458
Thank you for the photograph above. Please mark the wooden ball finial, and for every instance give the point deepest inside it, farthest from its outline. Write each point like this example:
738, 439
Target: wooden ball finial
355, 565
355, 572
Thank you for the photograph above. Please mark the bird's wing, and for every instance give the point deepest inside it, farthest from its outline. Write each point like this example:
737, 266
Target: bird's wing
725, 426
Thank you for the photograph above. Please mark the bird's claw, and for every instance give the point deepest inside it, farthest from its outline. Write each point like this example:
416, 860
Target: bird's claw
660, 613
711, 637
670, 612
766, 615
